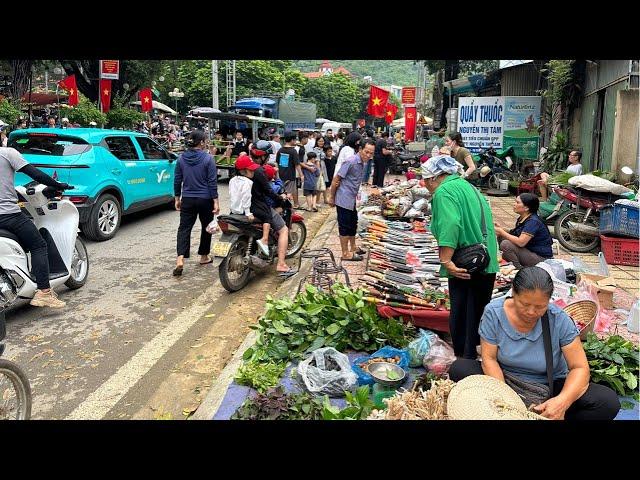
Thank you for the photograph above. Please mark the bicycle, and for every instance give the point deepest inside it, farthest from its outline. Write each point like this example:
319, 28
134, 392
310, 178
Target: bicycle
15, 390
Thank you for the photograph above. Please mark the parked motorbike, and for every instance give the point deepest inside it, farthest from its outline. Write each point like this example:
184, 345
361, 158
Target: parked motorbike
402, 160
57, 221
501, 167
578, 229
237, 245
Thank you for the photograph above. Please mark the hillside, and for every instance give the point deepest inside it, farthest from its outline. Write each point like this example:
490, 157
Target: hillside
383, 72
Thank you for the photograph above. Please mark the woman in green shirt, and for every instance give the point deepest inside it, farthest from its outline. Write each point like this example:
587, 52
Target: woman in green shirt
460, 153
456, 222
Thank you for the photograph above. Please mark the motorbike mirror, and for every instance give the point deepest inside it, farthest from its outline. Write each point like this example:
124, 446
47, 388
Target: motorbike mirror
627, 170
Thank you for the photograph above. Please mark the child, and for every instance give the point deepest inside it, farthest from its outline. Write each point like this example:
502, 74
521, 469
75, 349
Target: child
277, 185
311, 174
330, 165
240, 198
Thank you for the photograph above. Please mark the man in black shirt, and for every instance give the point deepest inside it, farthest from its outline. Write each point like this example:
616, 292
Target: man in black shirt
239, 144
288, 165
381, 157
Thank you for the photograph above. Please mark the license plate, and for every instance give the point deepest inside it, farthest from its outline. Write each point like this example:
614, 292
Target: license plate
221, 249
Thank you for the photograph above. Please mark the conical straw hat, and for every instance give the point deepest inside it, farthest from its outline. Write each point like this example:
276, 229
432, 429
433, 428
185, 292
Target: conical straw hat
481, 397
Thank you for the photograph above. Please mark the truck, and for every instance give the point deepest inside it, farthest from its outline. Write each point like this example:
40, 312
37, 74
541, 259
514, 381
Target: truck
294, 114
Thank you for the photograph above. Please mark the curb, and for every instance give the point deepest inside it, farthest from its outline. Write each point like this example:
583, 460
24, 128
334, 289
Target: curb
213, 400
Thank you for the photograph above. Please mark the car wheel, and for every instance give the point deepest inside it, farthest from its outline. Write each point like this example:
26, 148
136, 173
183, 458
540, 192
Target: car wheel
104, 220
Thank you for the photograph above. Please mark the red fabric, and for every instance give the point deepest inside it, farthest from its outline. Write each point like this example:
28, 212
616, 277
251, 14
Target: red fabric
377, 102
105, 94
390, 113
69, 84
146, 99
410, 123
426, 318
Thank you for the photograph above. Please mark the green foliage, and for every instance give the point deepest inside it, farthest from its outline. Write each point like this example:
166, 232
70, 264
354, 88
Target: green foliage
467, 67
340, 319
276, 405
124, 118
336, 96
557, 156
359, 406
384, 72
559, 76
614, 361
9, 112
260, 375
84, 113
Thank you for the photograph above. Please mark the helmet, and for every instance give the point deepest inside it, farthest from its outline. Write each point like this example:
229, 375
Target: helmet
484, 171
261, 148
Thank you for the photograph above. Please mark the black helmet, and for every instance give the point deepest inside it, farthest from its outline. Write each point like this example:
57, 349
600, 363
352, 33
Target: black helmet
261, 148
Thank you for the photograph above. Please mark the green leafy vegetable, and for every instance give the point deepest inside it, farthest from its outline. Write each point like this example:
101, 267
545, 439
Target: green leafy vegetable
359, 406
613, 361
260, 376
391, 375
276, 405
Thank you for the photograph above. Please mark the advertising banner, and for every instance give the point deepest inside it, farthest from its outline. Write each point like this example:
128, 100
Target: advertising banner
408, 95
110, 69
500, 122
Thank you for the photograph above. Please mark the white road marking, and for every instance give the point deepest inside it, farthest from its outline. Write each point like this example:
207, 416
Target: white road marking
98, 404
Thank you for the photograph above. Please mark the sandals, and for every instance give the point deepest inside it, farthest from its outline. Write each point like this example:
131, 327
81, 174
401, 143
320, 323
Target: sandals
354, 258
360, 251
206, 263
177, 271
288, 273
314, 209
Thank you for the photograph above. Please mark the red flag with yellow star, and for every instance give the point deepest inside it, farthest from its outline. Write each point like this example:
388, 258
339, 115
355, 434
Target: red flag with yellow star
69, 84
377, 101
146, 99
390, 113
105, 94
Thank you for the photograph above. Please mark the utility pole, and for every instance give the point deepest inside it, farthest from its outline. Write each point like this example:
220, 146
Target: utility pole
214, 82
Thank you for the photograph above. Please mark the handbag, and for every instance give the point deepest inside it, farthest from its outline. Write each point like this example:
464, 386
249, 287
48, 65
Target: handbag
533, 393
473, 258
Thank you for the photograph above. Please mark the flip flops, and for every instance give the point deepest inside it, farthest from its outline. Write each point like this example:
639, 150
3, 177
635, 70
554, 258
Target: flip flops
206, 263
360, 251
288, 273
354, 258
177, 271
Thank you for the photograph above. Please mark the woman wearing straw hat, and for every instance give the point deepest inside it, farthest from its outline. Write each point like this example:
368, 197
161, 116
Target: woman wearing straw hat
512, 342
457, 222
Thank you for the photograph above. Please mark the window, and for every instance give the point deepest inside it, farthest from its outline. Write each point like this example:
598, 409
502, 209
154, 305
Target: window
48, 144
121, 147
151, 150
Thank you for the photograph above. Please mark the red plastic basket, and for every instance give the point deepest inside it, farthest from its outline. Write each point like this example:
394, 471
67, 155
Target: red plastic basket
621, 251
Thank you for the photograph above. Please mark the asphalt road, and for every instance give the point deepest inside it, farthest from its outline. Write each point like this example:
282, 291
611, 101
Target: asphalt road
83, 359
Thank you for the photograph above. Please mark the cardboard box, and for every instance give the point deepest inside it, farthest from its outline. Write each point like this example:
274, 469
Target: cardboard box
606, 286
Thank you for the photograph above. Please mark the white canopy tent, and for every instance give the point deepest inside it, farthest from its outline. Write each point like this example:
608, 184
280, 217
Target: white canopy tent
159, 106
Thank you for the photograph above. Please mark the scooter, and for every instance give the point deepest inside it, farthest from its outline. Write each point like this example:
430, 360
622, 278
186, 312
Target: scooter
57, 221
402, 160
241, 255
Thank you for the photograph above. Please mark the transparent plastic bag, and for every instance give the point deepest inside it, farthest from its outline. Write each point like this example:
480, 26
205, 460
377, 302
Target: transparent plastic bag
327, 372
439, 358
419, 347
213, 227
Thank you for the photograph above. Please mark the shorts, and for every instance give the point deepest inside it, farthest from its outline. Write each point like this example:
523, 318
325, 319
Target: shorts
310, 192
347, 222
277, 222
290, 186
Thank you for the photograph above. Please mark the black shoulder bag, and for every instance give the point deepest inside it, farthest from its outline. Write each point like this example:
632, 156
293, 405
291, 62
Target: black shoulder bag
533, 393
473, 258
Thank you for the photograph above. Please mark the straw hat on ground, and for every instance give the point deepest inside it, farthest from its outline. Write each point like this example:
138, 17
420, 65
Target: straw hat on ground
481, 397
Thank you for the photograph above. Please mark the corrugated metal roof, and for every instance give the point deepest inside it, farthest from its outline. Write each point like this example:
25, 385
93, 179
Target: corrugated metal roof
601, 73
520, 81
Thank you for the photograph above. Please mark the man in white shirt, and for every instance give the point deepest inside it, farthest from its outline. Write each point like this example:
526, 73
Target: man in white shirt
275, 144
574, 168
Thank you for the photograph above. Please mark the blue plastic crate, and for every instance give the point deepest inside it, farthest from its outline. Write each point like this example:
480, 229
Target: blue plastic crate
620, 220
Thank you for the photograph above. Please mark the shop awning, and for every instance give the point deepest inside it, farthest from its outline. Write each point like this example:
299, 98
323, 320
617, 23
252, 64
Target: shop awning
41, 98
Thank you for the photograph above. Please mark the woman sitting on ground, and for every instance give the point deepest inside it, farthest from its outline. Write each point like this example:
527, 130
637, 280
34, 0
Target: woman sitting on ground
529, 243
512, 343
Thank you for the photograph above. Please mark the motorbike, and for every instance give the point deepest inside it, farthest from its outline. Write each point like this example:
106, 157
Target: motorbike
239, 250
402, 160
15, 401
501, 167
578, 229
57, 221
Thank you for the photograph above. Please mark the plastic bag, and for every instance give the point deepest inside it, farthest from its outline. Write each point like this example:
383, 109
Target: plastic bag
412, 213
421, 204
419, 347
386, 352
327, 372
439, 358
557, 268
213, 227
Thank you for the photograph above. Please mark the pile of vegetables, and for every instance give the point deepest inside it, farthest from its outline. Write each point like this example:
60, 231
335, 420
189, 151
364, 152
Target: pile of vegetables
615, 362
340, 319
417, 404
260, 375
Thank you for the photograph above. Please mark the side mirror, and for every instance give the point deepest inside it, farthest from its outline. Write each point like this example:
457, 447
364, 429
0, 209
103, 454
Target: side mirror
172, 156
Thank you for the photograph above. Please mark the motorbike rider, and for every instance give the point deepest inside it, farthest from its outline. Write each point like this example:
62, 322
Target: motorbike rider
260, 191
17, 222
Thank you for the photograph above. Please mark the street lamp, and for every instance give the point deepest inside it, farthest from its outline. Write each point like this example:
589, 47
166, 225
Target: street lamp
176, 94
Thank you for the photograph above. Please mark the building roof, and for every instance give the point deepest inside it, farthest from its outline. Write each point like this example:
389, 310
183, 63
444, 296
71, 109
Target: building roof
327, 65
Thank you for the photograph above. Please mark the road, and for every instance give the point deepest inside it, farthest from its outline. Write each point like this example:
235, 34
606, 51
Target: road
126, 330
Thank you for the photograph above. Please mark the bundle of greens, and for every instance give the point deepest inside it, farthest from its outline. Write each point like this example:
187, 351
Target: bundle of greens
359, 406
614, 361
277, 405
260, 376
315, 319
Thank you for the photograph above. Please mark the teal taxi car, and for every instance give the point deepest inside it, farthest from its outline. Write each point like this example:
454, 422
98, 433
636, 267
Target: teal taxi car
115, 172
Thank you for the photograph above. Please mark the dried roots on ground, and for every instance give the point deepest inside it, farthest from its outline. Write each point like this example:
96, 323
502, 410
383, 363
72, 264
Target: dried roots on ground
417, 404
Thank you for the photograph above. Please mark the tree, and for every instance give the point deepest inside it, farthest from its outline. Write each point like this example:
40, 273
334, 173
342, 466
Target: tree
561, 92
9, 112
85, 112
336, 96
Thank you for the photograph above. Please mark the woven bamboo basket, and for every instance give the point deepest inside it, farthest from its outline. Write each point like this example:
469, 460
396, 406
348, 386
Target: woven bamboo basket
585, 312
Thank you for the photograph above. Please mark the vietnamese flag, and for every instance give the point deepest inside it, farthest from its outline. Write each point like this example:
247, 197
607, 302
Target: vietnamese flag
409, 123
377, 101
390, 113
105, 94
146, 99
69, 84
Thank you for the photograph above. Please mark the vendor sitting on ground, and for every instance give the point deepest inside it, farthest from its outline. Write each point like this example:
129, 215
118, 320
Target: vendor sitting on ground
512, 343
529, 243
574, 168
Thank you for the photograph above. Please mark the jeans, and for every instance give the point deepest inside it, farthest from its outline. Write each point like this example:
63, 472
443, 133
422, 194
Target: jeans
31, 240
191, 209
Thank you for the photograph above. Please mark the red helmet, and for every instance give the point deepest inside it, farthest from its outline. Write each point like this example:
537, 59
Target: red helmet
261, 148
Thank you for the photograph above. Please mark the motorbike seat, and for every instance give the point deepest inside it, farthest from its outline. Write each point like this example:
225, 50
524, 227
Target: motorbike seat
234, 218
8, 234
406, 156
